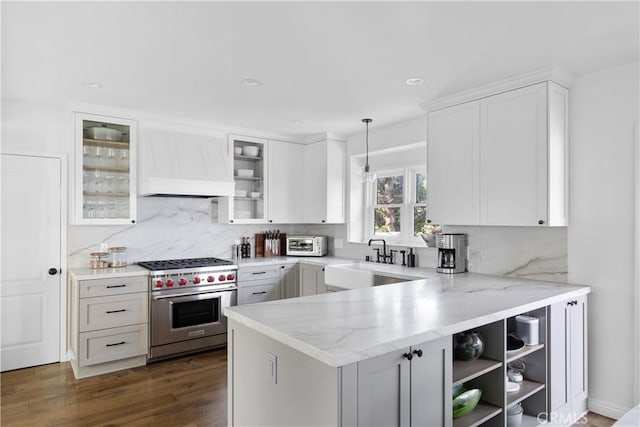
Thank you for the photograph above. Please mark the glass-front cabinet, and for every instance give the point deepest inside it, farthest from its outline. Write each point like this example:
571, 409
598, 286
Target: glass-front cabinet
249, 170
105, 179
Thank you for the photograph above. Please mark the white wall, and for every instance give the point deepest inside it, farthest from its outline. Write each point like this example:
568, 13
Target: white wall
603, 115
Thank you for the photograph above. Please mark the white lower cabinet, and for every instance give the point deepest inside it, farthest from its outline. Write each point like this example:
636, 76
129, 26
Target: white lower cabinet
258, 284
407, 387
568, 360
312, 280
108, 324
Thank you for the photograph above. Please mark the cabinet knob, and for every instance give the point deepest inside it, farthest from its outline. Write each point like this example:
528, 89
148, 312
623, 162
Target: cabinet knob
540, 221
231, 221
418, 352
324, 220
270, 220
428, 221
133, 221
53, 271
408, 356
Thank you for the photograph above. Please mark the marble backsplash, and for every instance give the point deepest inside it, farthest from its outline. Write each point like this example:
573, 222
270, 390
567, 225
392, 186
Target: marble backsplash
183, 228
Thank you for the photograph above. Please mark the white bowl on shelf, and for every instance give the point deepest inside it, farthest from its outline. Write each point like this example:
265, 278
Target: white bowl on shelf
237, 151
241, 193
250, 150
246, 173
104, 133
255, 194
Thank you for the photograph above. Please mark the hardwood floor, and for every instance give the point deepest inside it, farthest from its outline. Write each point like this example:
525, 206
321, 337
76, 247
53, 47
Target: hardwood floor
190, 391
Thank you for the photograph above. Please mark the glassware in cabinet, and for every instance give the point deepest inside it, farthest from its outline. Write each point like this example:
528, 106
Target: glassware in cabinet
105, 170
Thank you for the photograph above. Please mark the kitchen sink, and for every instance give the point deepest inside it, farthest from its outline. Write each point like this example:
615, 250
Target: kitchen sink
364, 274
379, 280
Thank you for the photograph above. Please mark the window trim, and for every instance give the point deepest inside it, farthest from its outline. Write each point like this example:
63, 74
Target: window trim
405, 236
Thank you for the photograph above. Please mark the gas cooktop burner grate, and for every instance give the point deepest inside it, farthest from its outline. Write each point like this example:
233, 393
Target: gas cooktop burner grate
174, 264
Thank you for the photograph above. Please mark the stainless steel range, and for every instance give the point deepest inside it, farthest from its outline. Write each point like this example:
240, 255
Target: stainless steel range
186, 302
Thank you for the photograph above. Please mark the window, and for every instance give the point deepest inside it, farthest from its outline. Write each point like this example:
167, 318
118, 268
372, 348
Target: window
398, 211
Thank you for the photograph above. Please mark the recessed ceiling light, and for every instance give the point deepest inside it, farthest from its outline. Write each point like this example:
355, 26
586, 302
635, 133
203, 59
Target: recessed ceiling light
297, 122
94, 85
413, 81
251, 82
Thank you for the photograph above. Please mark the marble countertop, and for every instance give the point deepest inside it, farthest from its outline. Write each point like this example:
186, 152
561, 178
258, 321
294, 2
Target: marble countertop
344, 327
135, 270
322, 261
106, 273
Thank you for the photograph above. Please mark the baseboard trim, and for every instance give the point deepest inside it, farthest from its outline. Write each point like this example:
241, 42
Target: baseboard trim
606, 409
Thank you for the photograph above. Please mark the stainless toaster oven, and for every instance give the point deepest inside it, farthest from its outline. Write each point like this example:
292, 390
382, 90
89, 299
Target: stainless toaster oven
306, 245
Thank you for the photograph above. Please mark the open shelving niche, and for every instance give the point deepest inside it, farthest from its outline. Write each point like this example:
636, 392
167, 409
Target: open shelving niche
488, 373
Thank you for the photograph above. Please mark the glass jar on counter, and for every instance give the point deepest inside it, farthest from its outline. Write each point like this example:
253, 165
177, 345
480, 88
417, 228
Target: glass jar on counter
98, 260
118, 256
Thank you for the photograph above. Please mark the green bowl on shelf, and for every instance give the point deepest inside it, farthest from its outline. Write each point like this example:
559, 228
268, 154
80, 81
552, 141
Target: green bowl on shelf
466, 402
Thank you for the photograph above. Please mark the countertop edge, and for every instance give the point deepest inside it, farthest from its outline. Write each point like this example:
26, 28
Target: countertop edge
379, 349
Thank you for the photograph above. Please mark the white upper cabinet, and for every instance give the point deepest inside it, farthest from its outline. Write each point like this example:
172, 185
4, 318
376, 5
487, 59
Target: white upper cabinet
105, 173
453, 188
250, 164
513, 157
285, 183
324, 182
500, 160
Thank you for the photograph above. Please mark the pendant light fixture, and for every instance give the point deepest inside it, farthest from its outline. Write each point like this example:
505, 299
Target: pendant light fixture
365, 174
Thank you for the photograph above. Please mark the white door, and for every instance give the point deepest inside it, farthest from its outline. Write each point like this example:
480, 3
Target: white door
31, 233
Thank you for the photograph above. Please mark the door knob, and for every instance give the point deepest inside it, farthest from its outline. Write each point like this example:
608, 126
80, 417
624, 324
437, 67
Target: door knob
53, 271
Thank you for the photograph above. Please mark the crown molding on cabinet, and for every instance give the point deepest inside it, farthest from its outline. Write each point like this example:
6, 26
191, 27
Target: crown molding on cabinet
325, 136
554, 74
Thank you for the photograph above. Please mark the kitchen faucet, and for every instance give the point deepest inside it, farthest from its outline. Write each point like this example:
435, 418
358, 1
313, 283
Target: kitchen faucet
384, 255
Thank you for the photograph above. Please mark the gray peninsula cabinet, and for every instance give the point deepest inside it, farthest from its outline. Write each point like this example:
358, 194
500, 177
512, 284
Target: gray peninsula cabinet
281, 379
568, 360
406, 387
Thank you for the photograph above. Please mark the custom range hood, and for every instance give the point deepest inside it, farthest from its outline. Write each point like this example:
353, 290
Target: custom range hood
187, 164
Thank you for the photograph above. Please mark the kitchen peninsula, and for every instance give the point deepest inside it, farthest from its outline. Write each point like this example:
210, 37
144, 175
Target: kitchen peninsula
382, 355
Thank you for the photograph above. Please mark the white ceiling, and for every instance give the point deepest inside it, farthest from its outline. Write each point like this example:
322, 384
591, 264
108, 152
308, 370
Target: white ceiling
327, 64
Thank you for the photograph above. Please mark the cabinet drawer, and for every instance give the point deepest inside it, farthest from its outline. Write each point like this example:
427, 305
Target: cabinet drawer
258, 273
113, 311
114, 286
261, 293
112, 344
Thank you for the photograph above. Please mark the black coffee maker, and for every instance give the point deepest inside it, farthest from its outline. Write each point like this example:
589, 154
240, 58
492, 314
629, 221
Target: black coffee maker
452, 253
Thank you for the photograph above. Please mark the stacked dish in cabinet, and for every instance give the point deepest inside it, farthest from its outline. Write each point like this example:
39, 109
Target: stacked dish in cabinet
511, 375
105, 179
249, 173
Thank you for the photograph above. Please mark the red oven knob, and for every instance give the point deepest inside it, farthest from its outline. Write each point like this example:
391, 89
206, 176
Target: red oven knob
159, 284
169, 283
182, 281
222, 278
196, 280
210, 279
230, 276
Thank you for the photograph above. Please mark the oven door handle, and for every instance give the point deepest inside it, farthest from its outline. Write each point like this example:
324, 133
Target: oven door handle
189, 294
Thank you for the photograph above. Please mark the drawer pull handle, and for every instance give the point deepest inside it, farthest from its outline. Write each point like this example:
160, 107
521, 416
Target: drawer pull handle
118, 343
259, 293
115, 286
116, 311
259, 272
